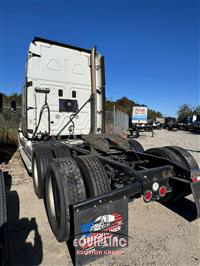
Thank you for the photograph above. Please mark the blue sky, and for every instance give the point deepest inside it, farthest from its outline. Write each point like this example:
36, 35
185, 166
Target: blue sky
151, 48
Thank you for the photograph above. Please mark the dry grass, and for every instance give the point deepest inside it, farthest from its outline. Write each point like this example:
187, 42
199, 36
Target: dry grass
9, 123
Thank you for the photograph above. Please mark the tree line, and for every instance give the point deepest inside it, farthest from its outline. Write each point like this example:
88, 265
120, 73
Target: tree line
187, 110
13, 97
125, 105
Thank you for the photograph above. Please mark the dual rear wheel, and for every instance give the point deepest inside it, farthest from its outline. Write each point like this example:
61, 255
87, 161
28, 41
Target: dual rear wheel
69, 181
63, 181
42, 155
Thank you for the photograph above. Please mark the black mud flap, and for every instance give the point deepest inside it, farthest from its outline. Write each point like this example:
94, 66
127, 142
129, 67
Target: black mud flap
195, 187
100, 228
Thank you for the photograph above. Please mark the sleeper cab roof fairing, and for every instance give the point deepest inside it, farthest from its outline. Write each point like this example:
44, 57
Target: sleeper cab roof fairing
38, 39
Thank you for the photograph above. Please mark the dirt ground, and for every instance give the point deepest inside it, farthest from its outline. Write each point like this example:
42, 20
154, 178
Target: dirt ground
160, 236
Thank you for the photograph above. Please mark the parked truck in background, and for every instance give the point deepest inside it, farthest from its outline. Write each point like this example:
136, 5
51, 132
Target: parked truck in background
171, 124
139, 121
161, 121
139, 115
188, 120
195, 126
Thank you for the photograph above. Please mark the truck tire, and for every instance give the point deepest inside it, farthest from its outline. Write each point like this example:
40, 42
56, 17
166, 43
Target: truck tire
185, 157
135, 145
187, 160
162, 152
41, 156
64, 186
94, 175
60, 150
3, 223
179, 189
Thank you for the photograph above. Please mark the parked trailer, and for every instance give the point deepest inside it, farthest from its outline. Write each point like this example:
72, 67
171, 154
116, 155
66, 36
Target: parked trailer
139, 115
83, 174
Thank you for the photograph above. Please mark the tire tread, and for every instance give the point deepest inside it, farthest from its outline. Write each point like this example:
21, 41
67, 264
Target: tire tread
96, 176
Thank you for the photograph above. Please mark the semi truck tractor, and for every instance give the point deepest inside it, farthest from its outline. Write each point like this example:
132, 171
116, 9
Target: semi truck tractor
80, 172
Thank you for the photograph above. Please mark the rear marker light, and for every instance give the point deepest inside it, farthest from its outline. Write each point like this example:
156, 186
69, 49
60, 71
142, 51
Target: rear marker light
147, 195
196, 179
162, 191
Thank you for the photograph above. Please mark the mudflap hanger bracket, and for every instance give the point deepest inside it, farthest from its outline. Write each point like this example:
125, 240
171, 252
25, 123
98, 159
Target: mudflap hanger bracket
195, 187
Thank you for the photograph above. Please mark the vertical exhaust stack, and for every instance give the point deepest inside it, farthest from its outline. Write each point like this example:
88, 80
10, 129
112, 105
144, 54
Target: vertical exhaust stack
93, 92
1, 102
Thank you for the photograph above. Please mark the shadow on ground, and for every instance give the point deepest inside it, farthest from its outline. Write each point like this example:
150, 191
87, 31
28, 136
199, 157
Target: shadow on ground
197, 132
25, 244
6, 152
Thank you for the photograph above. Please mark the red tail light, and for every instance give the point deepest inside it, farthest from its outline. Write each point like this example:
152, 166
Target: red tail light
162, 191
147, 195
